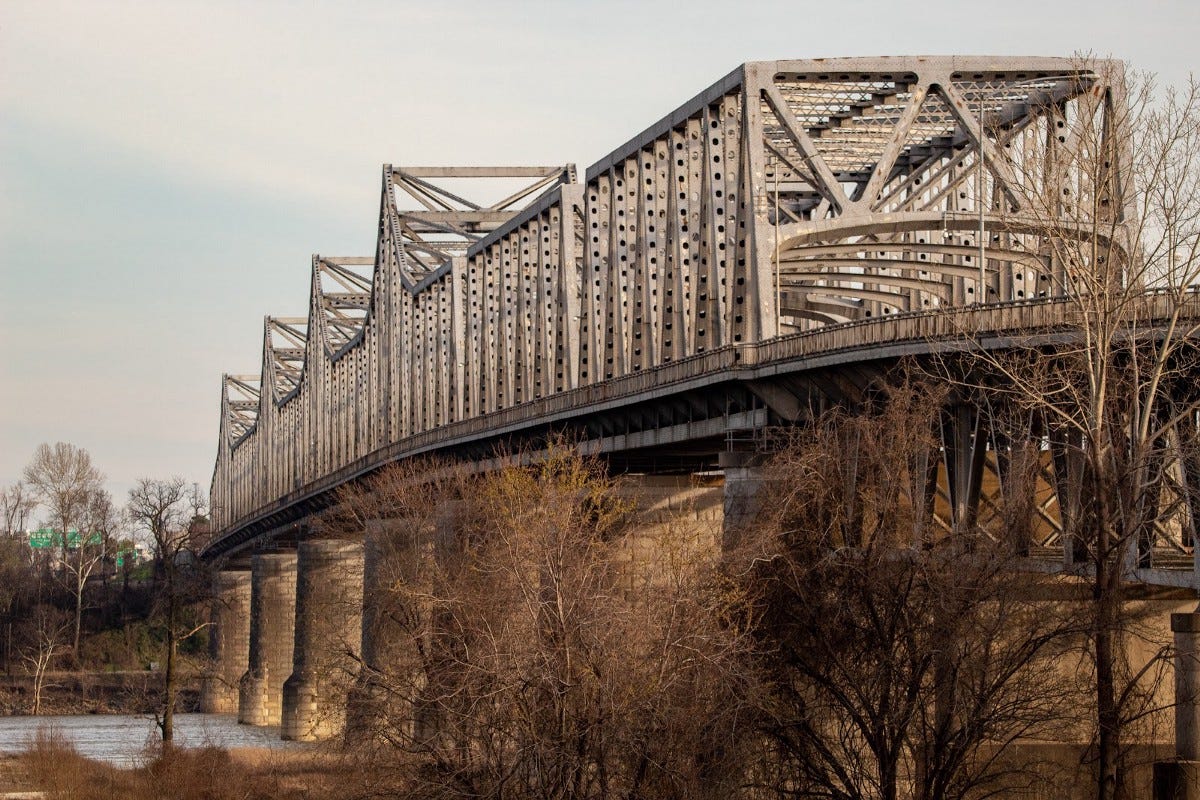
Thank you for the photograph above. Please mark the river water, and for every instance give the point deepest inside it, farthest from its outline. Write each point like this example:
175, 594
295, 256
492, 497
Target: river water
125, 739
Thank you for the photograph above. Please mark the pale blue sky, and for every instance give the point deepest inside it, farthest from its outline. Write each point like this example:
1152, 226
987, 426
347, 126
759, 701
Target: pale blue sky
167, 168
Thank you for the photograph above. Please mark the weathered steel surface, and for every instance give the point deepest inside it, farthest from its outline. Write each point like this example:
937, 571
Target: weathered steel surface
795, 216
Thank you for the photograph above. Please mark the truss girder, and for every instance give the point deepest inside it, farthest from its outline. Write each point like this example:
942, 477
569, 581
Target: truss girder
931, 160
788, 197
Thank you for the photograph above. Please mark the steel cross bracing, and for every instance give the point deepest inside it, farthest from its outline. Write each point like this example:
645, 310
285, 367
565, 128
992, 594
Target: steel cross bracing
789, 198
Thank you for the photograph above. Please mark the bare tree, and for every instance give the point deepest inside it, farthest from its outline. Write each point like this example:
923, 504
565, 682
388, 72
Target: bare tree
63, 479
44, 635
904, 658
161, 508
85, 551
106, 524
66, 483
17, 504
530, 657
18, 583
17, 574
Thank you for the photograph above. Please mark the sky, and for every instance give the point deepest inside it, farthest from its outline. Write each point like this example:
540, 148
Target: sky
168, 168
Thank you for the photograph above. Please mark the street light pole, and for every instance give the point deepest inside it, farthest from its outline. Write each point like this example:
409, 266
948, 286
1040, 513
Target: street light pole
981, 296
778, 266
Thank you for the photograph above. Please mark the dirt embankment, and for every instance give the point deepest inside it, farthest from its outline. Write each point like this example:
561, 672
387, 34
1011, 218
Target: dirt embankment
93, 693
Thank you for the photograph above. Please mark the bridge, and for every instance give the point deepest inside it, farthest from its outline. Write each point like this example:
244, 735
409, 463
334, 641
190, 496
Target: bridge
775, 246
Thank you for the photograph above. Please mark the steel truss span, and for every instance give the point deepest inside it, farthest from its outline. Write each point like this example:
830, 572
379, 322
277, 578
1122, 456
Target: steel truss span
794, 210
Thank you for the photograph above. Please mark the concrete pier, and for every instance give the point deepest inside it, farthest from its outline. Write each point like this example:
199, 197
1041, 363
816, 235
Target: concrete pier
1186, 630
678, 523
1180, 779
228, 642
328, 635
365, 703
272, 634
743, 499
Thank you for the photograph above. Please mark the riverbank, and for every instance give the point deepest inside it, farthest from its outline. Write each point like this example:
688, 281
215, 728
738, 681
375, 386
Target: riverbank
133, 692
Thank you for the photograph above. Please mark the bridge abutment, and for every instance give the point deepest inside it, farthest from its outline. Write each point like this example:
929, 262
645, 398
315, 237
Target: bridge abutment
229, 642
328, 634
272, 621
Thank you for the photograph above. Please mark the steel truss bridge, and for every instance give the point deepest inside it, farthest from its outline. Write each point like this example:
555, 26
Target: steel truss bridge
773, 246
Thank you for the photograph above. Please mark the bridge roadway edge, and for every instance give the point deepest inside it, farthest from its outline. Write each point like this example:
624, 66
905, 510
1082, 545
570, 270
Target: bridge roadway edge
1018, 324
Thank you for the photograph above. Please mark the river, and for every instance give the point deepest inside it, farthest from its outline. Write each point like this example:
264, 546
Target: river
123, 739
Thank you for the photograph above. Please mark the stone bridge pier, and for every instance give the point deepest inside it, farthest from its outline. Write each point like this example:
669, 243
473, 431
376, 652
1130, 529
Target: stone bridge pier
742, 492
272, 621
1179, 779
229, 642
392, 550
318, 634
328, 635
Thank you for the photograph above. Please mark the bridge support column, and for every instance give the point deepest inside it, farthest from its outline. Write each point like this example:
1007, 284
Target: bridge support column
329, 596
389, 560
1180, 779
272, 621
366, 707
678, 521
964, 449
229, 642
743, 499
